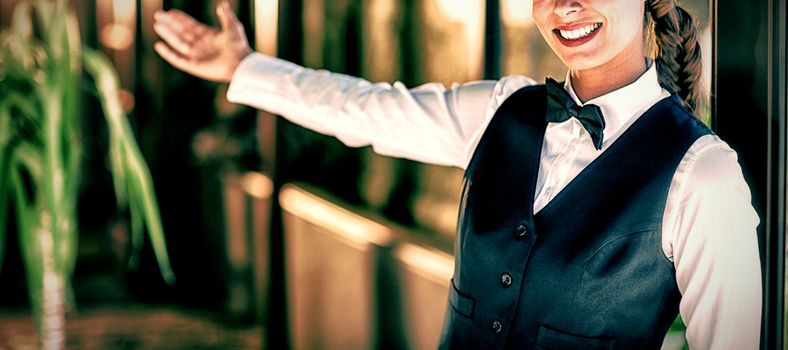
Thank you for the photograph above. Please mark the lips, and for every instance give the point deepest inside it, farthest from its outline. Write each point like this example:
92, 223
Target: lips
577, 35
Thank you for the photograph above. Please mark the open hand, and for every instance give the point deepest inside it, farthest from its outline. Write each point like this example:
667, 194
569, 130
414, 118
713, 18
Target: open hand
201, 50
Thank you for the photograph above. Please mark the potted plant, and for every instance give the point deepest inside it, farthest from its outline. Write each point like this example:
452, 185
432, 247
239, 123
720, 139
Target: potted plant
41, 71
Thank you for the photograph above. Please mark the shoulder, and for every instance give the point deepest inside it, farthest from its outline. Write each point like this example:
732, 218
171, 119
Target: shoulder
711, 160
709, 176
507, 86
709, 200
683, 119
501, 91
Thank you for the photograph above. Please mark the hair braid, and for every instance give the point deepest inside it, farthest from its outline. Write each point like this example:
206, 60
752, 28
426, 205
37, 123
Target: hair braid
678, 55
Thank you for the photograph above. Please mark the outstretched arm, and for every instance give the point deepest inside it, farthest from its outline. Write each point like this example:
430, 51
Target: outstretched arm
201, 50
428, 124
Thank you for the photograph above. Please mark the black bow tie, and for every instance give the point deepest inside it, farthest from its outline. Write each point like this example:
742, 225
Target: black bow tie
561, 106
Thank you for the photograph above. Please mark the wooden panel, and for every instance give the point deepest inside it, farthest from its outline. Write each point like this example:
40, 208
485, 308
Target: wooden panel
425, 276
331, 256
247, 203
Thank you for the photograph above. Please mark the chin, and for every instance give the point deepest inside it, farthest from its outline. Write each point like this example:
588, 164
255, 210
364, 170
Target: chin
582, 63
580, 58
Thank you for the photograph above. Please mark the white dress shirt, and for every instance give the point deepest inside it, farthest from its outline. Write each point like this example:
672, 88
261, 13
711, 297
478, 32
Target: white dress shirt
709, 225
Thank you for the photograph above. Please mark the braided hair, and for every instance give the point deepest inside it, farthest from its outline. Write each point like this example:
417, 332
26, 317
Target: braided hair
674, 36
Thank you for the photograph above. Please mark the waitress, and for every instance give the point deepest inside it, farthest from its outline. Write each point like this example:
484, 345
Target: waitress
593, 210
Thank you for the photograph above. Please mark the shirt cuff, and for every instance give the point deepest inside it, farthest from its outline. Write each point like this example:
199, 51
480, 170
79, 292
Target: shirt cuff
256, 73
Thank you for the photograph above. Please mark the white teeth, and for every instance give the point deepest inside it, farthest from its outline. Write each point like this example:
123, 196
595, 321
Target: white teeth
580, 32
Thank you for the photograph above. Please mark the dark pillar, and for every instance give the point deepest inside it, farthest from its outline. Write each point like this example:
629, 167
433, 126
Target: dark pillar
290, 47
749, 112
492, 39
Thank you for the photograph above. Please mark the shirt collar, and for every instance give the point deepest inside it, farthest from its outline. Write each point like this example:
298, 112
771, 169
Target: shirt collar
621, 105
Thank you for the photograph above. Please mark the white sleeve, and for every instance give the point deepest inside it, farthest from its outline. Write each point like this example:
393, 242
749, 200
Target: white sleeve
714, 247
428, 124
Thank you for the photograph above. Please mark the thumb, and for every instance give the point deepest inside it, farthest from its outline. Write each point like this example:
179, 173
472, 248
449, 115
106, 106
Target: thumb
227, 18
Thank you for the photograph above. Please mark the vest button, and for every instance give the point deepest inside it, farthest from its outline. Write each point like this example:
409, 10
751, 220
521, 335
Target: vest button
497, 327
506, 280
521, 231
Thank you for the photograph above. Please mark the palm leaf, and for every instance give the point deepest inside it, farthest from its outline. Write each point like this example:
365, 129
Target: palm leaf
27, 168
135, 174
41, 60
5, 157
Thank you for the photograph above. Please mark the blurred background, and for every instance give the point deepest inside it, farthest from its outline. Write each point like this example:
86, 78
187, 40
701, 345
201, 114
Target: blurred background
281, 237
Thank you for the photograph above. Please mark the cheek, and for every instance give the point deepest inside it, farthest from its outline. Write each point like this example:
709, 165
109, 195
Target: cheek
631, 21
541, 10
540, 13
630, 28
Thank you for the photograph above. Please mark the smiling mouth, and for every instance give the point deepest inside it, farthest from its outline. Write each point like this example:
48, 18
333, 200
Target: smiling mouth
577, 36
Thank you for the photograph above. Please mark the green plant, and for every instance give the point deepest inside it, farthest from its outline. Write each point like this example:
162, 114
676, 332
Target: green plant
41, 71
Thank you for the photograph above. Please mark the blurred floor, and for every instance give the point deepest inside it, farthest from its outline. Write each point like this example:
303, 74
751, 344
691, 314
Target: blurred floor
134, 326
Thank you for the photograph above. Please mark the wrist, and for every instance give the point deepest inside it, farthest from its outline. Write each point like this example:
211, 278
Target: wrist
243, 54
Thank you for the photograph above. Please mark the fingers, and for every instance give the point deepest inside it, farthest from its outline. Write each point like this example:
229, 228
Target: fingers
174, 58
179, 30
227, 18
174, 38
186, 21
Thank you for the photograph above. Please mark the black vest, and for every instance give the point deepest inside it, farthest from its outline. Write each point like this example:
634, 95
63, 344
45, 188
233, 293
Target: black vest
587, 271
